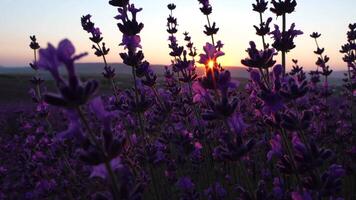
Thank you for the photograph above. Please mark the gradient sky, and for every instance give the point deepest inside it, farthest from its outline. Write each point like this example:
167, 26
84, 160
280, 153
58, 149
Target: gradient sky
53, 20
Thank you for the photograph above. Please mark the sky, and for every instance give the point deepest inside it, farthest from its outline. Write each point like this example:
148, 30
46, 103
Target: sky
53, 20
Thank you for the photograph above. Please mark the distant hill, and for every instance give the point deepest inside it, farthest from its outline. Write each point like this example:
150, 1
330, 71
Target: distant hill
97, 68
93, 69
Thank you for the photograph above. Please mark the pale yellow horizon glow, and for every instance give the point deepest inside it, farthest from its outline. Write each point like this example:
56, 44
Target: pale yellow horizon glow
53, 21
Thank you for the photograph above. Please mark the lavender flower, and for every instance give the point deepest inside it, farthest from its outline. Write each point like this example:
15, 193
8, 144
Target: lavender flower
284, 41
283, 7
73, 93
259, 59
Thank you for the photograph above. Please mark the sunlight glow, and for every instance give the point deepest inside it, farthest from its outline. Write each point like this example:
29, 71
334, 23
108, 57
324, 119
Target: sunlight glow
211, 64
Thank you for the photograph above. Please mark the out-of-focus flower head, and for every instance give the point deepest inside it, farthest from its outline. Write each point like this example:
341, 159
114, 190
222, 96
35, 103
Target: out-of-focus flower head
131, 42
260, 6
119, 3
276, 147
215, 192
264, 28
109, 72
301, 196
34, 44
206, 8
259, 59
315, 35
171, 6
351, 35
89, 27
72, 92
127, 26
187, 188
284, 41
283, 7
212, 30
211, 55
86, 23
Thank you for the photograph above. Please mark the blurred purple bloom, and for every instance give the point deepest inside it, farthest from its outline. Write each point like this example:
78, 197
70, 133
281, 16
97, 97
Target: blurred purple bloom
101, 171
206, 8
211, 54
272, 101
237, 124
49, 61
216, 192
276, 147
185, 184
74, 129
131, 42
301, 196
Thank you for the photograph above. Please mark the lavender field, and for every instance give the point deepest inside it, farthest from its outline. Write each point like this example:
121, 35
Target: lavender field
192, 129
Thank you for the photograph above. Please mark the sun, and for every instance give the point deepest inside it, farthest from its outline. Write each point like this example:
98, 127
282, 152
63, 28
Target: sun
211, 64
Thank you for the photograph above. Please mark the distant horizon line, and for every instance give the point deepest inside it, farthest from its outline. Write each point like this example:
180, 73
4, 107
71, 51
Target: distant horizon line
120, 63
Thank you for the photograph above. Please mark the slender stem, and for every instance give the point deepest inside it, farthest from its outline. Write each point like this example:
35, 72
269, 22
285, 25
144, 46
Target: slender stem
154, 183
108, 167
283, 52
248, 180
113, 86
159, 99
263, 37
137, 101
102, 52
35, 56
209, 24
38, 89
351, 93
290, 153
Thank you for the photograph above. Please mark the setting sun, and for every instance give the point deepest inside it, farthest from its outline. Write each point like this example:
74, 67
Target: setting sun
211, 64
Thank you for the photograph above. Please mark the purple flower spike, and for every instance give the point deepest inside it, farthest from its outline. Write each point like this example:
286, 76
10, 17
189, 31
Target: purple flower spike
211, 54
119, 3
284, 41
259, 59
276, 147
49, 61
260, 6
131, 42
283, 7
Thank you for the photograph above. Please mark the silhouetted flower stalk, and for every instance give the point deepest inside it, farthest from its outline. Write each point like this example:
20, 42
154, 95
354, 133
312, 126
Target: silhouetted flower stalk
100, 50
263, 29
282, 8
37, 81
260, 7
210, 28
349, 51
322, 63
131, 41
181, 65
177, 50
